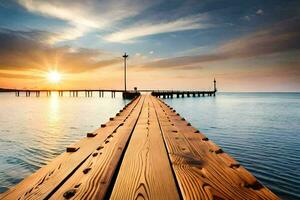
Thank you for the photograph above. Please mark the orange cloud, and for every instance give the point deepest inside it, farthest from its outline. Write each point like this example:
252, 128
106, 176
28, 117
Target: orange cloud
22, 51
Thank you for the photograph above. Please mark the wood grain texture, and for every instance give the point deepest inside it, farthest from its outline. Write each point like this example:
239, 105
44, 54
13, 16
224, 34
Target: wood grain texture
93, 178
202, 169
145, 172
46, 180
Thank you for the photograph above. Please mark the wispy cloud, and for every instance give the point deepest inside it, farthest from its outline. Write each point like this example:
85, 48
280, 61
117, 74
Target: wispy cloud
282, 37
146, 28
84, 17
259, 12
94, 15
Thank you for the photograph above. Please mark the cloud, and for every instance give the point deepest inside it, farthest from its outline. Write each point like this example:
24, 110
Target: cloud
247, 17
259, 12
146, 28
22, 51
281, 37
87, 16
95, 15
18, 76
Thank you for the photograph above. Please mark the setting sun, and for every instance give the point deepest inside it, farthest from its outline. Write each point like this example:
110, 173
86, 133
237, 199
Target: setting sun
54, 77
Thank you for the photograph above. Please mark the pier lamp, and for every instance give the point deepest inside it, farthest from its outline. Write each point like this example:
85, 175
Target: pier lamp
125, 56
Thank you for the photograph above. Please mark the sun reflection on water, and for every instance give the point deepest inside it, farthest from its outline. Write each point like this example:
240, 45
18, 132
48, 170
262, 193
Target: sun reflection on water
54, 116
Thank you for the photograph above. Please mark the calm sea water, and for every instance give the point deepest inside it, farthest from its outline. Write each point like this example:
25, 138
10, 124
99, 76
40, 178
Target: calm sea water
260, 130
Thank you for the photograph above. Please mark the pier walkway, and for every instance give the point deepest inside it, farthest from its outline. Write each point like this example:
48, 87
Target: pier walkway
147, 151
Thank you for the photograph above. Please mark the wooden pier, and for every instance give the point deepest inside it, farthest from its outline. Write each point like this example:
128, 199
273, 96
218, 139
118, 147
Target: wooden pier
74, 93
128, 94
181, 94
147, 151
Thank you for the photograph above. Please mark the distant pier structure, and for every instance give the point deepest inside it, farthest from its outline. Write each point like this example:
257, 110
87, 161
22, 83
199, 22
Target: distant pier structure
126, 94
70, 93
185, 93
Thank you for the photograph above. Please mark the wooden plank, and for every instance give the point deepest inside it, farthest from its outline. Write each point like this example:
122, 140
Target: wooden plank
46, 180
93, 178
202, 169
145, 172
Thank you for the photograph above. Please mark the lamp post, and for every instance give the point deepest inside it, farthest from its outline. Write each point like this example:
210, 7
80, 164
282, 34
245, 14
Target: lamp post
125, 56
215, 85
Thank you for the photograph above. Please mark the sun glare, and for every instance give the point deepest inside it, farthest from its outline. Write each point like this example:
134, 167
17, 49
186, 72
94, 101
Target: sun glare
54, 77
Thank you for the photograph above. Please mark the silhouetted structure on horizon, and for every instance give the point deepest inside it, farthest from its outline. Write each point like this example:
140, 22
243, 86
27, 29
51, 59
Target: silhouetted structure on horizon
127, 94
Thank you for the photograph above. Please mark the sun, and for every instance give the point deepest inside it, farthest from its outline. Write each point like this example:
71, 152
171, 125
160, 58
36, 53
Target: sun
54, 77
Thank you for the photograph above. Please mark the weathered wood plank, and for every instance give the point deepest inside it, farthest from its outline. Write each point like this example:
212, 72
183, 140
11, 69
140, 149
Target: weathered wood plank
46, 180
202, 169
145, 172
93, 178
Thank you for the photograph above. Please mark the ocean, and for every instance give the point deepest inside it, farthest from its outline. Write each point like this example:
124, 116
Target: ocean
260, 130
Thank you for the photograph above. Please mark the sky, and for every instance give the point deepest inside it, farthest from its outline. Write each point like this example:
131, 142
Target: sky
246, 45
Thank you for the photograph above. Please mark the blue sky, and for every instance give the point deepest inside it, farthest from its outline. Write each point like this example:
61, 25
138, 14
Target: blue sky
247, 45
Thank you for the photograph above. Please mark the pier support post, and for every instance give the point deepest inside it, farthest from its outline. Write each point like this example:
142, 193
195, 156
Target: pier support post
113, 94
